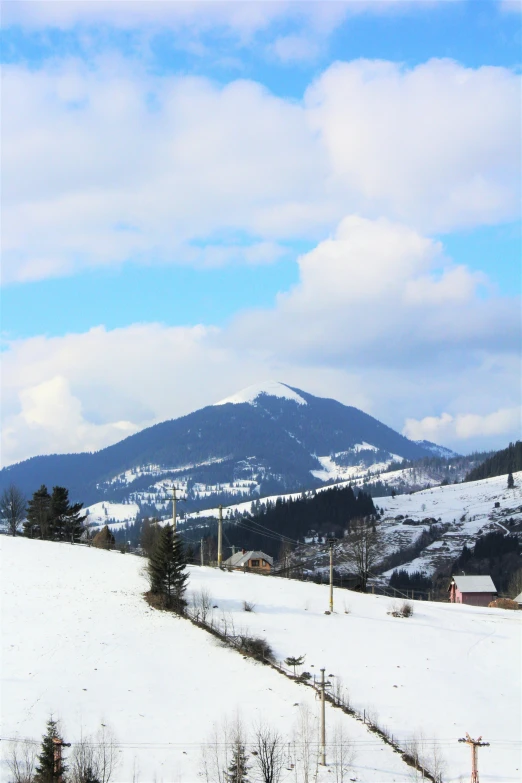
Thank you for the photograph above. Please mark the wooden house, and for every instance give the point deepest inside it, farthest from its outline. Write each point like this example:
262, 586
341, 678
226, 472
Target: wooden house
473, 590
250, 561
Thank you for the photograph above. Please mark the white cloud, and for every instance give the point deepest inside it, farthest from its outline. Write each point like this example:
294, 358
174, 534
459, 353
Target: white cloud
241, 17
380, 294
417, 144
464, 426
380, 319
51, 420
105, 162
511, 6
295, 48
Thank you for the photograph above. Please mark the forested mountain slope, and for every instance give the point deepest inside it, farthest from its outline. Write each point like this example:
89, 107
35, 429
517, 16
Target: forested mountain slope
506, 461
263, 440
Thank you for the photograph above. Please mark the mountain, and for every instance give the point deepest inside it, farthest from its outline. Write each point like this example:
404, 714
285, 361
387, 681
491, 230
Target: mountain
437, 451
266, 439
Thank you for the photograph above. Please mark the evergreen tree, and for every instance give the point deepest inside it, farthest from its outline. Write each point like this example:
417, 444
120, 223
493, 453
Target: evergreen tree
46, 769
66, 520
167, 569
37, 524
238, 769
510, 481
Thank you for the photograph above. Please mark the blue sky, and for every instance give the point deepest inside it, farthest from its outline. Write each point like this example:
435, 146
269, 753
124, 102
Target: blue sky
196, 167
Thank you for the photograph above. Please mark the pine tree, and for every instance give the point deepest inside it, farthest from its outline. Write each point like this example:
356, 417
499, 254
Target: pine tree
510, 481
167, 569
66, 520
238, 769
46, 768
37, 524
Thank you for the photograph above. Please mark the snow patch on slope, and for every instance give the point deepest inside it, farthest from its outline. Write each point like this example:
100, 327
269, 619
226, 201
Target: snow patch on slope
271, 388
115, 515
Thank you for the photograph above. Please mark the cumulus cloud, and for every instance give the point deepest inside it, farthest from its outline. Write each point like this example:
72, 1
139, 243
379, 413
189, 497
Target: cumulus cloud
241, 17
51, 420
380, 319
105, 162
380, 294
417, 145
464, 426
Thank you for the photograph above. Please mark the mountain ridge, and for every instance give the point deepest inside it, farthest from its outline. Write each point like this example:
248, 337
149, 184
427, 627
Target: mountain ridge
265, 439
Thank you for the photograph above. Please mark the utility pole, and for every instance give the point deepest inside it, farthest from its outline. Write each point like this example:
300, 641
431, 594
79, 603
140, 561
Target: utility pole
201, 552
58, 744
174, 508
331, 542
220, 536
474, 744
323, 721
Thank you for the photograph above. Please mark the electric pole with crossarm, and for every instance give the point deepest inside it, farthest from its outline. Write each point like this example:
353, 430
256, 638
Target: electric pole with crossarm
474, 744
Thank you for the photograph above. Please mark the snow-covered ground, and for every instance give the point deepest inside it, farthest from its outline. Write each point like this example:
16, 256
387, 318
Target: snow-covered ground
79, 640
332, 471
114, 515
468, 508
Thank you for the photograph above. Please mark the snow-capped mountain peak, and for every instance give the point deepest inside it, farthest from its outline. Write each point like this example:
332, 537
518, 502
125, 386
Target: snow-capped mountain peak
271, 388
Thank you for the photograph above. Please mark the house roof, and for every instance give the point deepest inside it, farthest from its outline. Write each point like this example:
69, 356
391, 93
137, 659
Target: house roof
518, 599
241, 558
475, 584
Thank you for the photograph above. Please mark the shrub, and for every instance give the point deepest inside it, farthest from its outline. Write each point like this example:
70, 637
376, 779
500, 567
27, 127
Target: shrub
255, 646
503, 603
248, 606
404, 609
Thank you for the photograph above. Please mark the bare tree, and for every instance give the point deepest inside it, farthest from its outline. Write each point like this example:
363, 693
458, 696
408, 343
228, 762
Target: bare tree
94, 757
363, 548
12, 508
202, 603
304, 743
215, 755
343, 753
21, 761
269, 753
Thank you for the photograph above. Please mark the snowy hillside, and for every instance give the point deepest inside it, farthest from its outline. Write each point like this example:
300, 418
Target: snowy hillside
79, 640
114, 515
468, 509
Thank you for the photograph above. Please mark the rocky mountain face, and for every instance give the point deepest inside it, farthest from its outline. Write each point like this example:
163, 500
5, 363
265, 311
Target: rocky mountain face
264, 440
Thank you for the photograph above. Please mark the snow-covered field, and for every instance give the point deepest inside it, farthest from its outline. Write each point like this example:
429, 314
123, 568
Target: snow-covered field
79, 640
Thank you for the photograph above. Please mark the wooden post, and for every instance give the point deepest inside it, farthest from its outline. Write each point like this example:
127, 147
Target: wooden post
474, 744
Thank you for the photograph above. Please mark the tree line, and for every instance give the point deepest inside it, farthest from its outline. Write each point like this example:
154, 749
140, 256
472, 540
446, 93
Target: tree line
506, 461
48, 516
